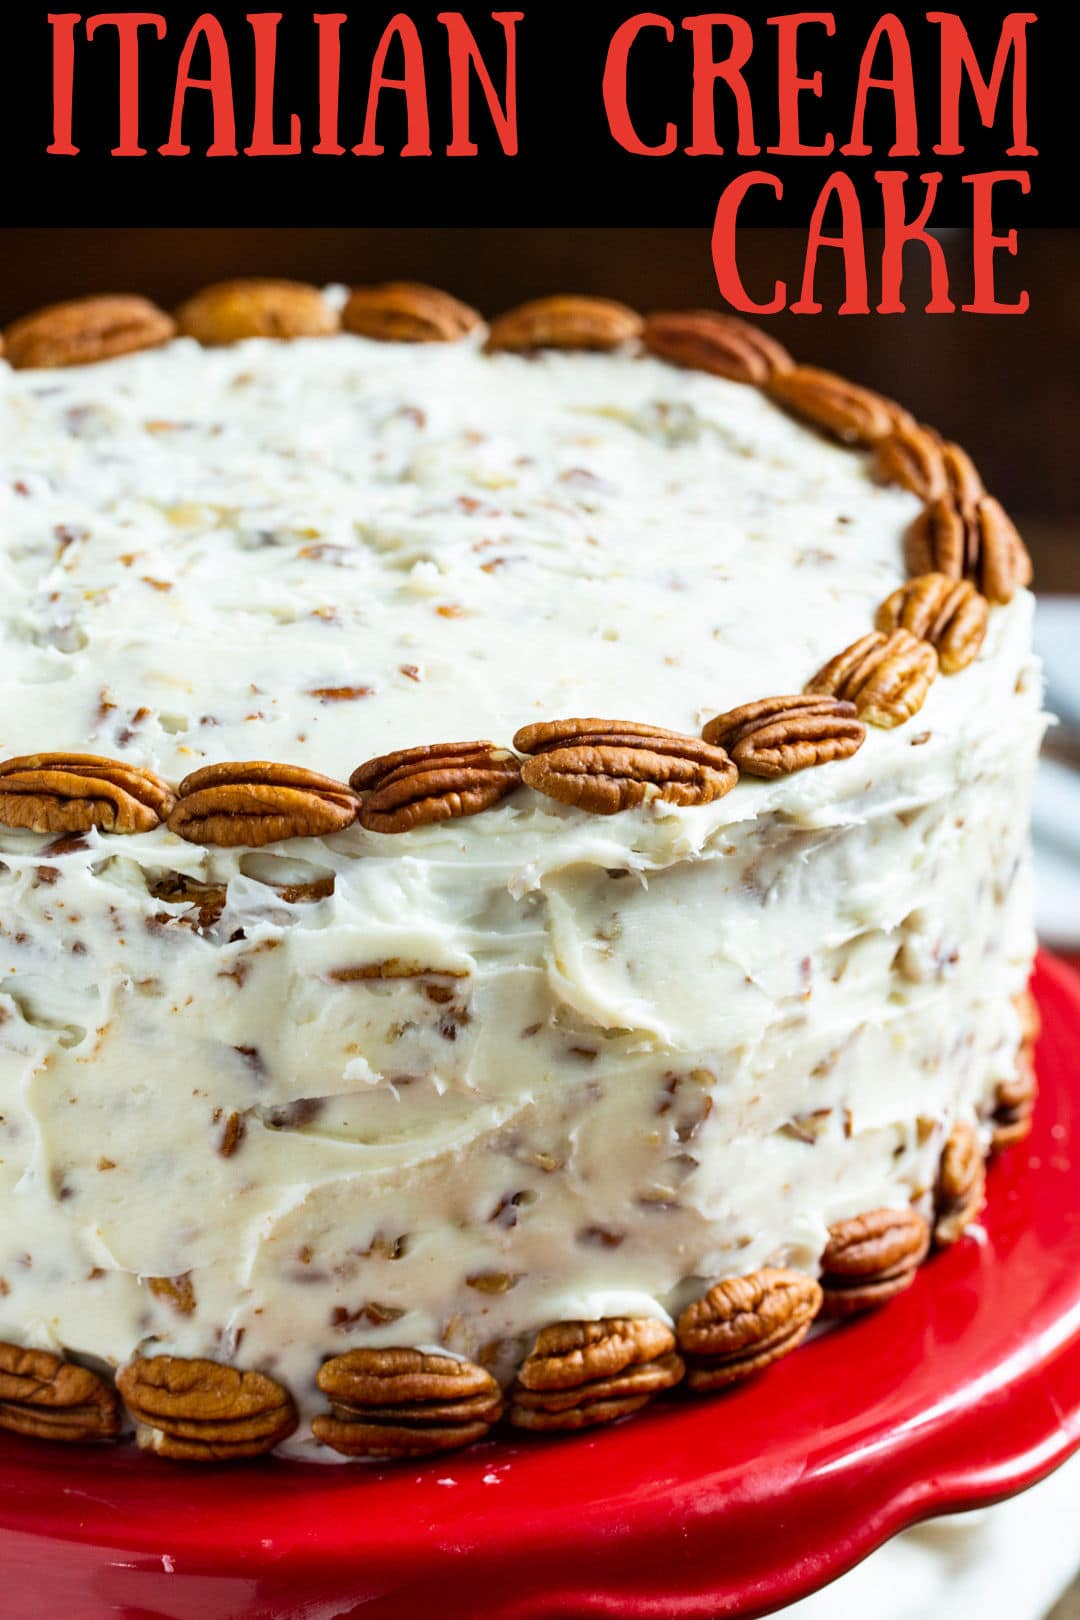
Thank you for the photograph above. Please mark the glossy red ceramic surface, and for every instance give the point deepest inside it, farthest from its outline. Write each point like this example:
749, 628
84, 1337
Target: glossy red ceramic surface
964, 1390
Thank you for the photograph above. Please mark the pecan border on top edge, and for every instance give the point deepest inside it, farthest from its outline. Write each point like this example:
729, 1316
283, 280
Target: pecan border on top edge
906, 453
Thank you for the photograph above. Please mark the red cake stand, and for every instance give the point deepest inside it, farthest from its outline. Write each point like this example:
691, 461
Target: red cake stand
964, 1390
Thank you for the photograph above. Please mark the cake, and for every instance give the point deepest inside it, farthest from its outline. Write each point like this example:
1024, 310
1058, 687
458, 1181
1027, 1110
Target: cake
514, 863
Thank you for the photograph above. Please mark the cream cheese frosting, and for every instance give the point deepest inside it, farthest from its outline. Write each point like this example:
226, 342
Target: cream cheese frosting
498, 1072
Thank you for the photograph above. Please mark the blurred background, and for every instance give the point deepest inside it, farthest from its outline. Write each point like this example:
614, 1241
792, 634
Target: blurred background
1007, 387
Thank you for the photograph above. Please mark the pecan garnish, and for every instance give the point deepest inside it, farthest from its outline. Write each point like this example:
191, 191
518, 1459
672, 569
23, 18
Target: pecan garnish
204, 1411
609, 765
704, 341
948, 613
1027, 1010
779, 735
65, 793
85, 330
408, 312
1014, 1103
48, 1398
871, 1258
582, 1373
304, 894
887, 677
179, 1292
404, 1403
255, 802
917, 458
434, 782
841, 408
1014, 1100
978, 542
565, 323
255, 307
743, 1324
961, 1184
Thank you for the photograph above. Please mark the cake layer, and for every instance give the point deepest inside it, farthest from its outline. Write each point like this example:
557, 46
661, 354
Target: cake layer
444, 1088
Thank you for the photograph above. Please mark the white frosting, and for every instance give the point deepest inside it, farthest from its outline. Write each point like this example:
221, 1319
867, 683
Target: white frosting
647, 1050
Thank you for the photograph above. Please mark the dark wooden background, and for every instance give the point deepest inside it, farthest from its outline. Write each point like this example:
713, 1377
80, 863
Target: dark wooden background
1008, 387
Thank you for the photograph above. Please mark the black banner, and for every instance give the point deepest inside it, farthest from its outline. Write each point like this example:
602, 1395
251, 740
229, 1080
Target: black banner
716, 97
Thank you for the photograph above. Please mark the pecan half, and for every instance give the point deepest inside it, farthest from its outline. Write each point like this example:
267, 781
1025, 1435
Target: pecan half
1027, 1010
852, 414
917, 457
64, 793
579, 1374
204, 1411
779, 735
408, 312
255, 307
978, 542
720, 344
86, 330
434, 782
961, 1184
871, 1258
255, 802
1014, 1103
48, 1398
961, 476
743, 1324
605, 766
404, 1403
948, 613
1014, 1100
887, 677
565, 322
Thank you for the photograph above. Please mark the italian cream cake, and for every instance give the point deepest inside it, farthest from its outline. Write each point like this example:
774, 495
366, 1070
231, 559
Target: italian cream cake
514, 863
